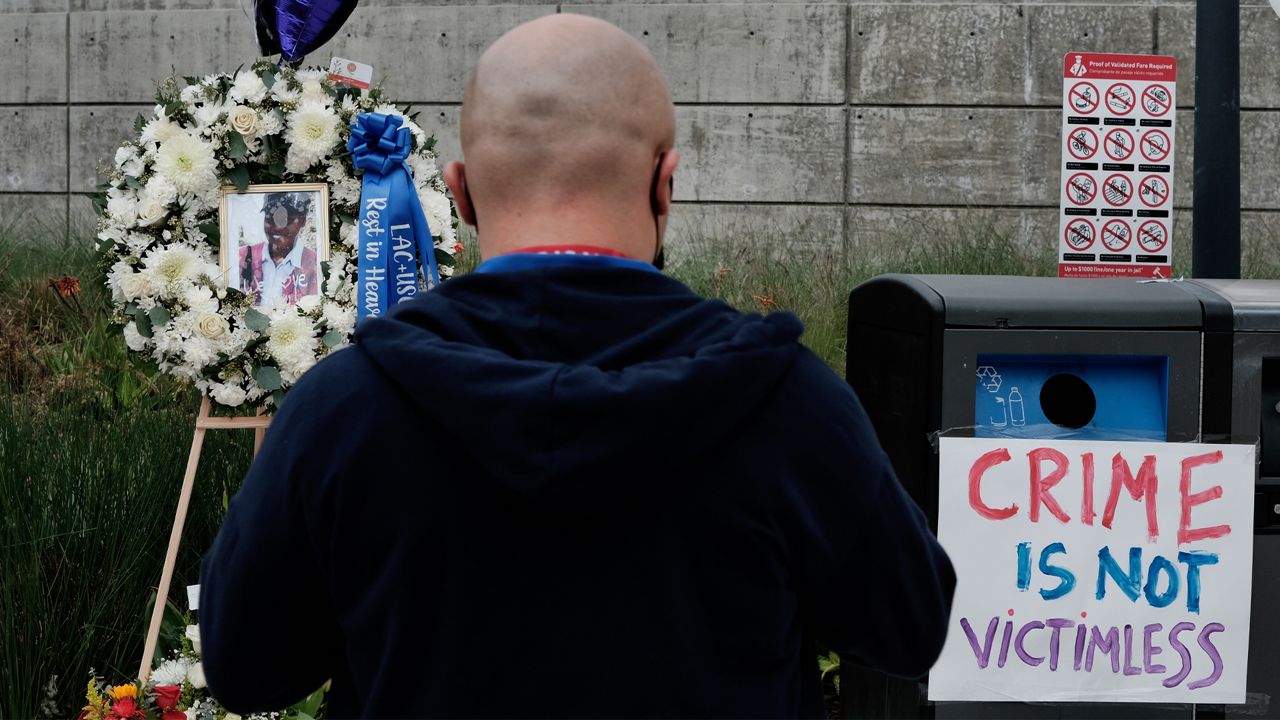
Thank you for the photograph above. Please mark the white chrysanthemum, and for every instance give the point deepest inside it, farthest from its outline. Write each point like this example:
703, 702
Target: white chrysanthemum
200, 299
133, 338
160, 189
338, 318
283, 94
186, 162
313, 131
423, 167
159, 129
129, 162
309, 304
291, 341
170, 672
270, 123
138, 243
123, 208
248, 87
170, 269
439, 214
211, 115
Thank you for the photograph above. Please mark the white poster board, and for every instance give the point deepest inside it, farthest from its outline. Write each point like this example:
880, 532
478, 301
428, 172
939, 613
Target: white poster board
1116, 204
1093, 571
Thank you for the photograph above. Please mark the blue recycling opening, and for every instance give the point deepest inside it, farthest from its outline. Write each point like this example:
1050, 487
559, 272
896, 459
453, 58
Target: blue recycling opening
1081, 397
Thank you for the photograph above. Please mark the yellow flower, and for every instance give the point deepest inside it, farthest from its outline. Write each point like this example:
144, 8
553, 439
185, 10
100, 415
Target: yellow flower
123, 691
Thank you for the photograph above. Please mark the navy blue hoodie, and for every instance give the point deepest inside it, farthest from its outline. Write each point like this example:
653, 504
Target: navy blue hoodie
568, 491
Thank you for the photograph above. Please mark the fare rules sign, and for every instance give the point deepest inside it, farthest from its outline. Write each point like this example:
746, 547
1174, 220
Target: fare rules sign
1116, 205
1094, 571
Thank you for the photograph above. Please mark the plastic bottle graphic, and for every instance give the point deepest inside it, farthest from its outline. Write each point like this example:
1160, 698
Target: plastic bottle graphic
1017, 410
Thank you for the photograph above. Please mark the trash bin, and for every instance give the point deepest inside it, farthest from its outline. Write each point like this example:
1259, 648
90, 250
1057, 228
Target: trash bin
1242, 405
975, 356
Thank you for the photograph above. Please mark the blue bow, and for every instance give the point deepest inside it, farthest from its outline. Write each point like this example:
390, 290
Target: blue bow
394, 235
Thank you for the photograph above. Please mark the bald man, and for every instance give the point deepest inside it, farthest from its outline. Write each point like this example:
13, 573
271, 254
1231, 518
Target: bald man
564, 484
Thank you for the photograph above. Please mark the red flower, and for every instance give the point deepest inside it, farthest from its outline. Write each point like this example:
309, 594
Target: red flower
126, 708
66, 286
167, 697
174, 715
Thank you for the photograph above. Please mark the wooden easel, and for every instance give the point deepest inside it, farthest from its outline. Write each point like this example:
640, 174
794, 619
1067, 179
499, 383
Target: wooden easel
204, 421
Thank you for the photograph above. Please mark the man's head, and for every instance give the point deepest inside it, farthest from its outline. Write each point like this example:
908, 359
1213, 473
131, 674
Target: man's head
567, 135
283, 216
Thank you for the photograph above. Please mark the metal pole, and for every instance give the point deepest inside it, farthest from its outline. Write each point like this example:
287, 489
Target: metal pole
1215, 228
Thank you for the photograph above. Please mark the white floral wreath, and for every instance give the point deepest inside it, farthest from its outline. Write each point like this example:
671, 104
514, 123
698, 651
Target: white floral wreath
159, 232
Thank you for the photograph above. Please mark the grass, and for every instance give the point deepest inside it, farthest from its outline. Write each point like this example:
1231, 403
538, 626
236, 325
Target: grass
92, 447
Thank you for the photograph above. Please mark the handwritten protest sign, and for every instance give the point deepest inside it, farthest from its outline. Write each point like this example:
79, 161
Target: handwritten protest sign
1096, 571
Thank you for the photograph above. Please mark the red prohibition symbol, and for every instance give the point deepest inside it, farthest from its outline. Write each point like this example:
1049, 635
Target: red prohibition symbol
1079, 234
1081, 189
1119, 144
1117, 190
1083, 97
1116, 235
1156, 100
1153, 236
1153, 191
1082, 143
1121, 99
1155, 145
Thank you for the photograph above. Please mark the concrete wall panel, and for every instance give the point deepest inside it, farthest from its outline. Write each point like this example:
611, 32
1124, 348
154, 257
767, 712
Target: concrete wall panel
34, 139
1055, 30
445, 43
761, 153
954, 156
121, 56
1259, 53
989, 54
34, 6
752, 53
96, 132
424, 53
29, 217
33, 53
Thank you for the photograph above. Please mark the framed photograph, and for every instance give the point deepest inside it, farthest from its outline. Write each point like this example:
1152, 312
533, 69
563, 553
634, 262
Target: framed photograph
274, 238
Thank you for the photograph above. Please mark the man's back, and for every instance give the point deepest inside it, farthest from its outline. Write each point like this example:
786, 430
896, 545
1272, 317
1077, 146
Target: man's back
568, 490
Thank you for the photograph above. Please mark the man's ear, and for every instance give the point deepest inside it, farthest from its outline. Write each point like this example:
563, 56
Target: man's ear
665, 185
455, 177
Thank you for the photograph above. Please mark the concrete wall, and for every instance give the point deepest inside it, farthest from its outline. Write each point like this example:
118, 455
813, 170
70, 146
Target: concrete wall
856, 123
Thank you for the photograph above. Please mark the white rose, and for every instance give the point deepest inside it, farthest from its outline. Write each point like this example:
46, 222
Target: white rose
151, 212
213, 326
133, 338
229, 395
244, 120
195, 676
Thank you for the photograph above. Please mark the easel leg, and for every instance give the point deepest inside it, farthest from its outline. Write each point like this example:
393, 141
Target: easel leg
175, 539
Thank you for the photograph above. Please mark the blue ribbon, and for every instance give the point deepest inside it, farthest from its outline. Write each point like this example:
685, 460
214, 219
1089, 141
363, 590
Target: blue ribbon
394, 235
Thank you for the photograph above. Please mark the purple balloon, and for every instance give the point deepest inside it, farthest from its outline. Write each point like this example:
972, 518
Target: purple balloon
294, 28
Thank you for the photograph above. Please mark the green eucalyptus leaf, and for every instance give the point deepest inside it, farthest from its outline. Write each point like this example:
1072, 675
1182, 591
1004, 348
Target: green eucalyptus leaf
143, 323
256, 321
332, 338
239, 176
236, 146
212, 231
159, 315
139, 123
268, 377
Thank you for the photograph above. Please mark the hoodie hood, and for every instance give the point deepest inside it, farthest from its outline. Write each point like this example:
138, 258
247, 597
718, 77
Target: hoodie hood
576, 381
